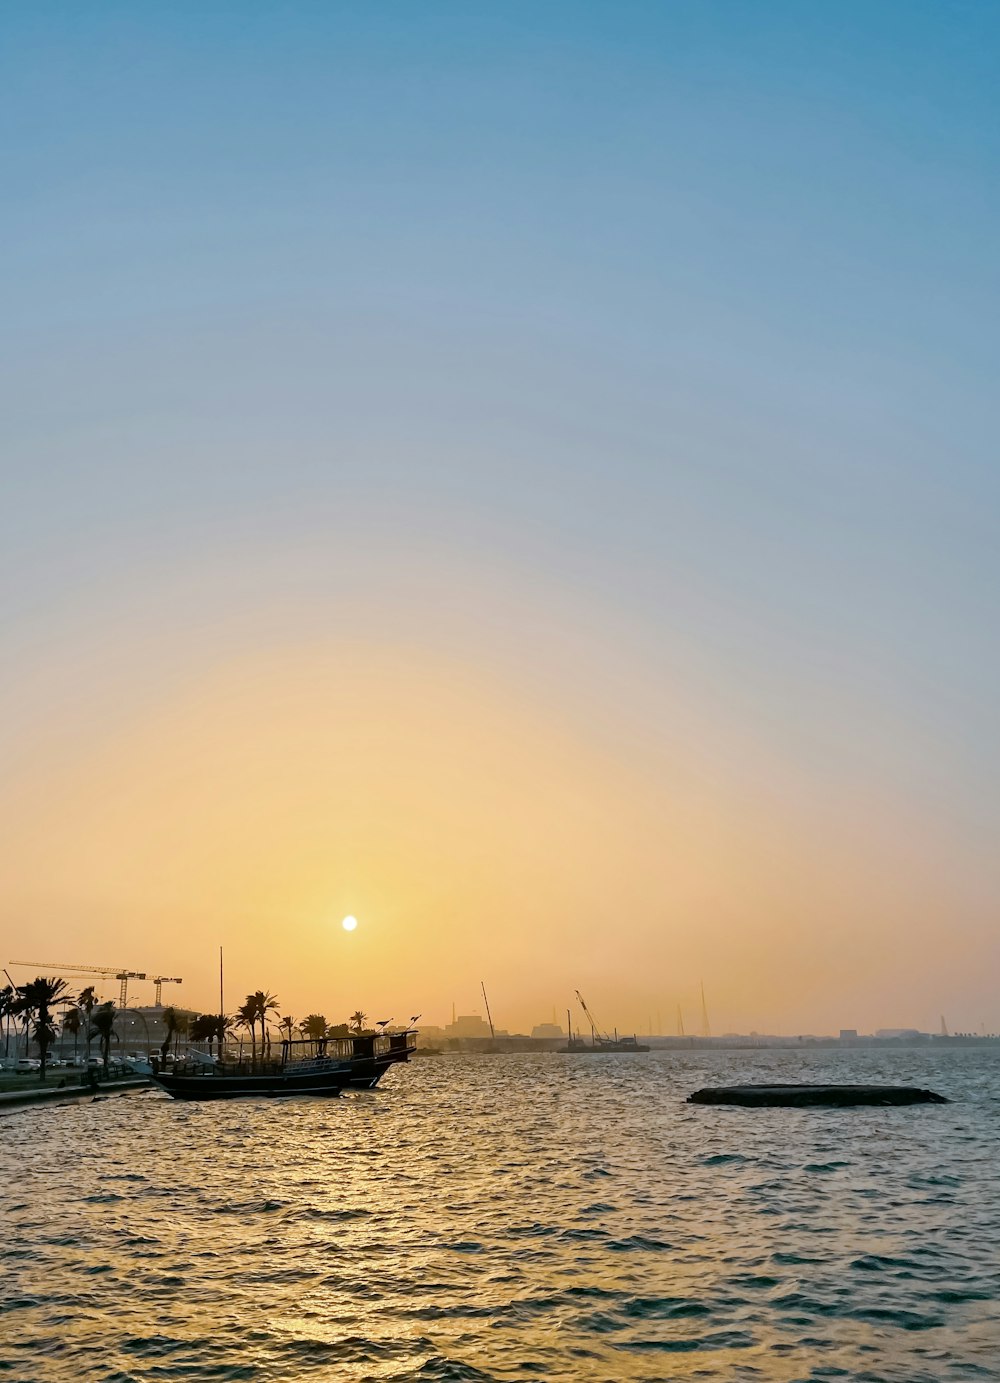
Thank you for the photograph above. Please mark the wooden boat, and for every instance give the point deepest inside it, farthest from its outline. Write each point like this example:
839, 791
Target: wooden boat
324, 1067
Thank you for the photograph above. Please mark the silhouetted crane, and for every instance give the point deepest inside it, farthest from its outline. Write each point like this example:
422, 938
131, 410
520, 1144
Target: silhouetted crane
120, 973
595, 1030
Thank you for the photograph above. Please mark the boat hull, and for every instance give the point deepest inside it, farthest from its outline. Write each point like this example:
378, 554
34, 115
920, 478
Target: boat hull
367, 1072
214, 1087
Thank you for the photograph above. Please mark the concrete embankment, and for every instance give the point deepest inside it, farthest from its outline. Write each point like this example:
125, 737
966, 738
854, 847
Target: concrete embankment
54, 1094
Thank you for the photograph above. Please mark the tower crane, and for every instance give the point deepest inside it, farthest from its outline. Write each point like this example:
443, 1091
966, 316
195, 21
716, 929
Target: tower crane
159, 980
595, 1030
120, 973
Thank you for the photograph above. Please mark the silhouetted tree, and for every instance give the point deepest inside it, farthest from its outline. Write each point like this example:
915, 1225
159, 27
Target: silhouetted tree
223, 1027
20, 1011
265, 1003
174, 1021
358, 1020
246, 1017
8, 997
40, 997
72, 1023
102, 1025
203, 1028
87, 1002
209, 1028
313, 1026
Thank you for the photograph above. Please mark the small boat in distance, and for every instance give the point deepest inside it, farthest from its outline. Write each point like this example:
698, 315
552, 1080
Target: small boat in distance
600, 1042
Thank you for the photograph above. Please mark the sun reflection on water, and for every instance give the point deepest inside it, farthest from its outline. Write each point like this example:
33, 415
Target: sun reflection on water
499, 1218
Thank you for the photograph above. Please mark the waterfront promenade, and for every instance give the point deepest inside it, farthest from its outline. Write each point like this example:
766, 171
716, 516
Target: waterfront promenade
31, 1093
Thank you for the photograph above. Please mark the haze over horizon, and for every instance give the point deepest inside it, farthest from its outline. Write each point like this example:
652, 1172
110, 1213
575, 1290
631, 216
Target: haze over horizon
523, 476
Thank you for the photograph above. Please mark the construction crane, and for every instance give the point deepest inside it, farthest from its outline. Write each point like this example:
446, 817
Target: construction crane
159, 980
120, 973
595, 1030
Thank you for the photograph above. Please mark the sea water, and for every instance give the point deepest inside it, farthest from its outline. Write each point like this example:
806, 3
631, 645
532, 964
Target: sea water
512, 1217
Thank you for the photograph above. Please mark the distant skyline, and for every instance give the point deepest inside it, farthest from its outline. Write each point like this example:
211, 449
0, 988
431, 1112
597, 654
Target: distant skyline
523, 476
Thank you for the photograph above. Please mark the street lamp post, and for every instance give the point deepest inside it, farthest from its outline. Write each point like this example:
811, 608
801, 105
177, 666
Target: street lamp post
145, 1025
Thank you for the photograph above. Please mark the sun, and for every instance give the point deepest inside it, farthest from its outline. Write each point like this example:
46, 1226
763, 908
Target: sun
349, 924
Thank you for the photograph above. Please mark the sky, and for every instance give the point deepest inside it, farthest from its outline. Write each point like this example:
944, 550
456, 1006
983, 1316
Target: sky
523, 475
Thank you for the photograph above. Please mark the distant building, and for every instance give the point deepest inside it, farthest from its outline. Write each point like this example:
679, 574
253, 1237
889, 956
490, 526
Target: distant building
551, 1031
468, 1025
848, 1034
900, 1032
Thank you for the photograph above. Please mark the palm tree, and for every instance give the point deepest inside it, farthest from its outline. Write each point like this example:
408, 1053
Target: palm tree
183, 1024
21, 1009
102, 1025
72, 1023
358, 1020
203, 1028
246, 1017
173, 1021
266, 1003
287, 1026
222, 1026
87, 1001
313, 1027
7, 1004
40, 996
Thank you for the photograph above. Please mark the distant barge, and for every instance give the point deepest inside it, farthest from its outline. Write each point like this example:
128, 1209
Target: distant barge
599, 1041
604, 1044
810, 1096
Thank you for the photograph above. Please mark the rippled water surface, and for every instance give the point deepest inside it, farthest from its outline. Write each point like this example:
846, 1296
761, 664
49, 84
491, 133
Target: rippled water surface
536, 1216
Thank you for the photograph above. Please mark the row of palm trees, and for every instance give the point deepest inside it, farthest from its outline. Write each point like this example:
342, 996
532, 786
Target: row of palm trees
256, 1015
38, 1005
43, 1001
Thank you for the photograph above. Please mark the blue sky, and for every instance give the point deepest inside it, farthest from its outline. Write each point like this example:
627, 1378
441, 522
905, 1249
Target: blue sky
667, 330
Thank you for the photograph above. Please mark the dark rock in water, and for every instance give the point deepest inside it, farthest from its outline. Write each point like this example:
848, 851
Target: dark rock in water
802, 1096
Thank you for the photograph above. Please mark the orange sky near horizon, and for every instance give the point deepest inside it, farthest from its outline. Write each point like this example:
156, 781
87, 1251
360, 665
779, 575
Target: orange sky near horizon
477, 832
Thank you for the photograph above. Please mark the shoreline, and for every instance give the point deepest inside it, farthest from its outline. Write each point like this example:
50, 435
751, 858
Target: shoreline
19, 1099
